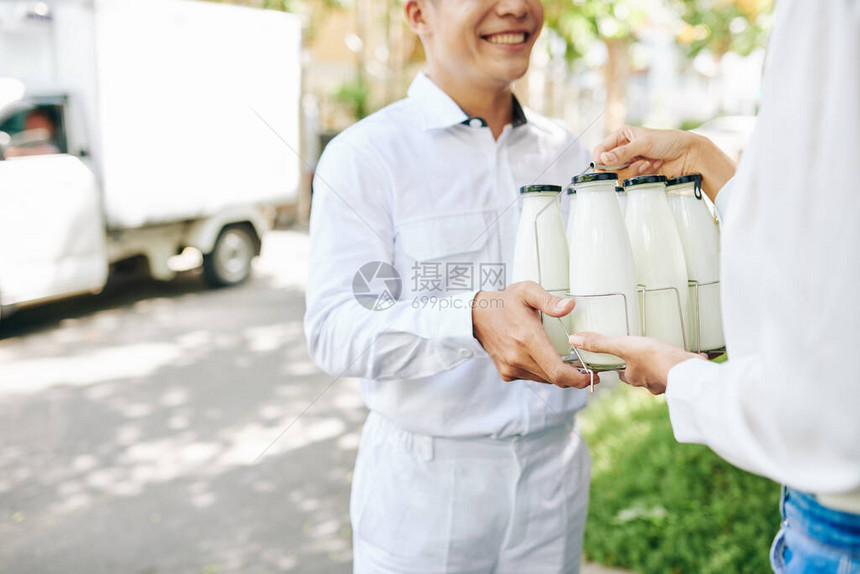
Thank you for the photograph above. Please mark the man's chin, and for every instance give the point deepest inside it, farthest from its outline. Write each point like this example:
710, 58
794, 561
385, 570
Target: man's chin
510, 72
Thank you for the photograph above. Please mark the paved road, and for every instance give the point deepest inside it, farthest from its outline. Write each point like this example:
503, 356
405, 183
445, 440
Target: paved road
131, 424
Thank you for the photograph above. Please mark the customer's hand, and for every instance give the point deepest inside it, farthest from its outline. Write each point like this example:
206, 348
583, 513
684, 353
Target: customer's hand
669, 152
508, 325
648, 360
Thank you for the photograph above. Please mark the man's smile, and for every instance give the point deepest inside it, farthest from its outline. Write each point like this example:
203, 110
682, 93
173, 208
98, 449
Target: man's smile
507, 38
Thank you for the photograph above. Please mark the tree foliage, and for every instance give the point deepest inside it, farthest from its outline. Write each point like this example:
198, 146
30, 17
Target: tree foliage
582, 22
723, 26
720, 26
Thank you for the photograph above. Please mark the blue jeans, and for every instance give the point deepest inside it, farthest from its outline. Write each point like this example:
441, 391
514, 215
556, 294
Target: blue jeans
814, 538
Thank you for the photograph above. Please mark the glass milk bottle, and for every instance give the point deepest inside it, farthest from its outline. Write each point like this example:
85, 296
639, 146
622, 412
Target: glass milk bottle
700, 238
622, 199
571, 206
542, 229
601, 263
659, 258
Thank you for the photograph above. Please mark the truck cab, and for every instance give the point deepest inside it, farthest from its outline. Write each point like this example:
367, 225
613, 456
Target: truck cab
52, 233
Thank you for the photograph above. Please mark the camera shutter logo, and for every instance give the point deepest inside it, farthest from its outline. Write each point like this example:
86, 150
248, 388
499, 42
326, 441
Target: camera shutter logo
377, 286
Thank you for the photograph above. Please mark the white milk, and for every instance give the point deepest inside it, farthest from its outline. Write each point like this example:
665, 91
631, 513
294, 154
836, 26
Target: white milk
571, 203
658, 256
700, 237
601, 263
622, 199
540, 204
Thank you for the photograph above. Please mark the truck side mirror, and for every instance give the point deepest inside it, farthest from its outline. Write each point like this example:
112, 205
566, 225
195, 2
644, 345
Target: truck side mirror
5, 140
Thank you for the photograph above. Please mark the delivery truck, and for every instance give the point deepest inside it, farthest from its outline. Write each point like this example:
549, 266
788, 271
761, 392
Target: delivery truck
139, 130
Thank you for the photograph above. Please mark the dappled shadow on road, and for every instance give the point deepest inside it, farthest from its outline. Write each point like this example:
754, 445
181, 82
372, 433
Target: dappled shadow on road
119, 293
130, 435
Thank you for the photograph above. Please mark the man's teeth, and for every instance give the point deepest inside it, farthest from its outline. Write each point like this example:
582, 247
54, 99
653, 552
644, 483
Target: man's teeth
507, 38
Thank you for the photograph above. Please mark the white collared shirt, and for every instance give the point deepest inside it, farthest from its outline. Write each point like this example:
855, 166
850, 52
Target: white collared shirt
415, 187
787, 403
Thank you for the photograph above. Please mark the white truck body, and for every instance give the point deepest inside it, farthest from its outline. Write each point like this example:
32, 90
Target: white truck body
179, 119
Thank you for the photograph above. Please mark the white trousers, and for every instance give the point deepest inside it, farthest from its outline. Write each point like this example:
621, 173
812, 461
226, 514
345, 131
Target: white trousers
430, 505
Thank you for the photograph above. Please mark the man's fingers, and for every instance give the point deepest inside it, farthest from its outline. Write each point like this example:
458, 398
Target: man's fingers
557, 371
538, 298
598, 343
524, 375
581, 381
560, 307
526, 370
534, 369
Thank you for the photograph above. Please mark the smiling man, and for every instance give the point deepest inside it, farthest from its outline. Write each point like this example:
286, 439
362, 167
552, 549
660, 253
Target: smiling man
469, 461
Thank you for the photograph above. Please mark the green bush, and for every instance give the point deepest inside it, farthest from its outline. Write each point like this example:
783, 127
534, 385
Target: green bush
690, 124
659, 506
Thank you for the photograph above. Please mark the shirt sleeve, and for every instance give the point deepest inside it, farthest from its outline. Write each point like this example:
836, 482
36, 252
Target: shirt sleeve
786, 404
351, 228
767, 416
724, 200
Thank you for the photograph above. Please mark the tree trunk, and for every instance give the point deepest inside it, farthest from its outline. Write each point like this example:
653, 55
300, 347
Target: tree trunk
616, 73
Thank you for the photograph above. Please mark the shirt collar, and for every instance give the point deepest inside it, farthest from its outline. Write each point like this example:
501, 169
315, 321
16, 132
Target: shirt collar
438, 110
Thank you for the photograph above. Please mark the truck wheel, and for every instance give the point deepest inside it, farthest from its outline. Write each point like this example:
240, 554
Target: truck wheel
229, 262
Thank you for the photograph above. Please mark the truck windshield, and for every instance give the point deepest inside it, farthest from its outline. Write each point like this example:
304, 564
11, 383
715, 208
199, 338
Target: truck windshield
38, 130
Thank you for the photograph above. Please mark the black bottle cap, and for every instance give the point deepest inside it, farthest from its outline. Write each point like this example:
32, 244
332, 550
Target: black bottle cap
643, 179
597, 176
540, 188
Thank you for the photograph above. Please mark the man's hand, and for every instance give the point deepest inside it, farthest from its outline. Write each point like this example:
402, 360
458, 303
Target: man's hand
648, 360
670, 152
510, 330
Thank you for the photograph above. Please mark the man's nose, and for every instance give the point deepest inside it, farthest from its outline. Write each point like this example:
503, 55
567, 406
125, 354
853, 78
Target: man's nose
515, 8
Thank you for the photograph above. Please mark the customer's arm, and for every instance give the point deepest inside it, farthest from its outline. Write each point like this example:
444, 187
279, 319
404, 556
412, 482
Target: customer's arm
669, 152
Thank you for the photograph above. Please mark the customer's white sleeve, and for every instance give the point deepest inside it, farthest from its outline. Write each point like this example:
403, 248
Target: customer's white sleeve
787, 403
724, 200
772, 417
791, 410
351, 225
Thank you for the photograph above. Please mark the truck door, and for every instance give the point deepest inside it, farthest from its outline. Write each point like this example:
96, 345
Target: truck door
52, 234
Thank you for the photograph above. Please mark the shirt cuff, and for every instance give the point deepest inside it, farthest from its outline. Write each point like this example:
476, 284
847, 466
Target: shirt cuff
455, 322
687, 383
723, 199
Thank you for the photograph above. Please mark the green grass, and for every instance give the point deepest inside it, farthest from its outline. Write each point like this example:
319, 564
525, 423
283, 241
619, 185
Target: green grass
663, 507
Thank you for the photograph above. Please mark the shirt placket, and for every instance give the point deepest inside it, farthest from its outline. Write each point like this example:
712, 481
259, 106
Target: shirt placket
535, 398
507, 201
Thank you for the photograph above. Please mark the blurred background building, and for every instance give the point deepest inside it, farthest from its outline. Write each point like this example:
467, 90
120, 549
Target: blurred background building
598, 65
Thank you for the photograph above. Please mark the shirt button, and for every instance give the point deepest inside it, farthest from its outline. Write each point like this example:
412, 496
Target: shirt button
466, 353
476, 122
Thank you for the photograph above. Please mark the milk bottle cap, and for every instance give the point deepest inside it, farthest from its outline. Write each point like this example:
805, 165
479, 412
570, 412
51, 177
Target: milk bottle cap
589, 177
540, 188
695, 178
643, 179
692, 177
